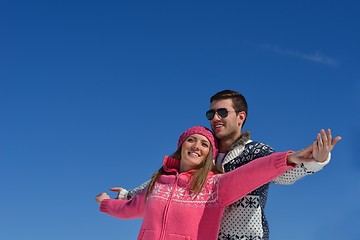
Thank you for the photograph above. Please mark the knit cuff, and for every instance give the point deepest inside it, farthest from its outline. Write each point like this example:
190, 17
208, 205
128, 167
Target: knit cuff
281, 160
104, 206
316, 166
123, 194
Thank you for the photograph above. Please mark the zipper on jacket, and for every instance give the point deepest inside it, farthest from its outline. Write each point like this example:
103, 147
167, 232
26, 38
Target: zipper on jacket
166, 210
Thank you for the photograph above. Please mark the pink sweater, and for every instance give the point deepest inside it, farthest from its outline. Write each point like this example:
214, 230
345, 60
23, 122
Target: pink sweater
173, 212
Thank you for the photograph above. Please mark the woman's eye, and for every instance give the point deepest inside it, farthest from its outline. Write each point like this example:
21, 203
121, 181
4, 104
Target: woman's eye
205, 145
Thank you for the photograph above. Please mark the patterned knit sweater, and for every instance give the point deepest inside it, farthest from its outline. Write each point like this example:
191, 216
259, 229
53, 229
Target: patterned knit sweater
245, 219
173, 211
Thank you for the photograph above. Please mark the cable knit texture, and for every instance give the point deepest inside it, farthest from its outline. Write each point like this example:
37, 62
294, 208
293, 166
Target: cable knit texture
173, 211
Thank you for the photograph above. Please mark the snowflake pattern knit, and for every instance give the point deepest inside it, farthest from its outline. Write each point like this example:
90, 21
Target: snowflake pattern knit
245, 219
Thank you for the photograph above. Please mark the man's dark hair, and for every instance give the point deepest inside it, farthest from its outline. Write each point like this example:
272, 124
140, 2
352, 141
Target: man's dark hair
238, 100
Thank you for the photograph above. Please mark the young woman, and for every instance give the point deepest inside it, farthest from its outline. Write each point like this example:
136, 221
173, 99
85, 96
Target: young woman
187, 196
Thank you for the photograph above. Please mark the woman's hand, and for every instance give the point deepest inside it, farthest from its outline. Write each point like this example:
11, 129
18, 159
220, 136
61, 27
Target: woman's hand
301, 156
101, 196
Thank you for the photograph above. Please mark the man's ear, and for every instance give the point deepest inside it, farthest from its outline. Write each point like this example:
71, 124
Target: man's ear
241, 117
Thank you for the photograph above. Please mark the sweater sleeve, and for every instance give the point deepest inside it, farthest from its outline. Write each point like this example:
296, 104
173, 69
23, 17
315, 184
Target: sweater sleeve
125, 209
300, 171
128, 194
314, 166
236, 184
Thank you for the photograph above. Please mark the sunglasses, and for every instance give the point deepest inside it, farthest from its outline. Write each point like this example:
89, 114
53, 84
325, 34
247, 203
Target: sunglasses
222, 112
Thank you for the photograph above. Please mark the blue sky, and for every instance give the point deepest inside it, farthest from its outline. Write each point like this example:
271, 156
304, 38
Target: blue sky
93, 94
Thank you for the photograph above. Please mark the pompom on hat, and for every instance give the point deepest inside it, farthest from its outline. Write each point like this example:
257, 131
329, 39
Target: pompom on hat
203, 131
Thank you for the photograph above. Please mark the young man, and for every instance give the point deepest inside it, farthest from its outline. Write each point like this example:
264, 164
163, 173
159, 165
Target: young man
245, 219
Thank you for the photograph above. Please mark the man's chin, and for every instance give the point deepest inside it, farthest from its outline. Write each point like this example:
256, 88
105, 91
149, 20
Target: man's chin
219, 133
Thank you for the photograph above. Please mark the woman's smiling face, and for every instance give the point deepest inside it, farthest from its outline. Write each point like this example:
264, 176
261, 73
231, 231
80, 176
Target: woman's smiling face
193, 151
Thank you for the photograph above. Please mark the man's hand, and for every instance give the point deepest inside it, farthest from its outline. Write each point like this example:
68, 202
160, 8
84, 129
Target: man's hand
323, 145
121, 192
318, 151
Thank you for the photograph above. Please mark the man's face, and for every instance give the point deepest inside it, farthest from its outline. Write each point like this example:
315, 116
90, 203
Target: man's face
228, 127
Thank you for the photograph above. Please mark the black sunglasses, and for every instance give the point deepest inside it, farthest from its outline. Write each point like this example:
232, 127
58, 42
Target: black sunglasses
222, 112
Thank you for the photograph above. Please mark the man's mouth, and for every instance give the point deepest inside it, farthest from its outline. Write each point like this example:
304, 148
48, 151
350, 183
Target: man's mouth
218, 125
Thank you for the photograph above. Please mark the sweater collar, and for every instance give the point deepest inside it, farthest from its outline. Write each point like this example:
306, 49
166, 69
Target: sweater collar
236, 148
171, 164
241, 141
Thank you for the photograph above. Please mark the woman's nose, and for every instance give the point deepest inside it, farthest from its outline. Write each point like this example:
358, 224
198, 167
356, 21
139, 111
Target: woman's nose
196, 145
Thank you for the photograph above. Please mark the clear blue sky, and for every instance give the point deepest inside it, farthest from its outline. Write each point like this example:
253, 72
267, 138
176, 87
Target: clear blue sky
93, 94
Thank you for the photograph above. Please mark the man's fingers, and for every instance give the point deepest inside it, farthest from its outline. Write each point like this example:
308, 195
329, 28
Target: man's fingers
329, 137
334, 141
324, 136
319, 138
115, 189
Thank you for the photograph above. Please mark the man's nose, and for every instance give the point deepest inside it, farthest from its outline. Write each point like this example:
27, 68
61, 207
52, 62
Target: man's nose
216, 116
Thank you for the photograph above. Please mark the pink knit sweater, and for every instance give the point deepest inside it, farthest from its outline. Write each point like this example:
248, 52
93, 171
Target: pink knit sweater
173, 212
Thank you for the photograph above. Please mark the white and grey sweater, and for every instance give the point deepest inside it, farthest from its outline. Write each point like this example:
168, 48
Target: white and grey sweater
245, 219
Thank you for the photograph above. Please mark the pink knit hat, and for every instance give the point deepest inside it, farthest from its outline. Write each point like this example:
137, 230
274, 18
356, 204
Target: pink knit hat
203, 131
